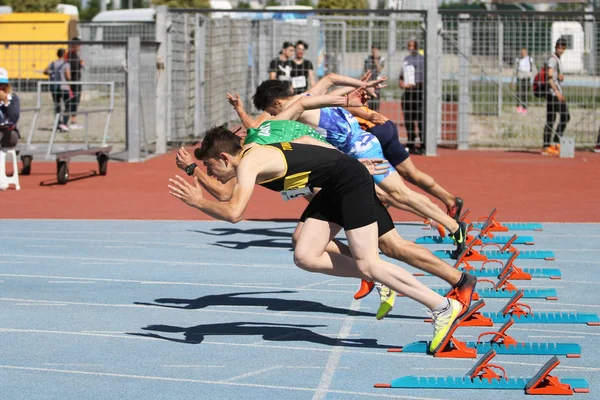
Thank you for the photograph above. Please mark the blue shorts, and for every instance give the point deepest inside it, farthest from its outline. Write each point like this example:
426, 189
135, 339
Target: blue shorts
367, 146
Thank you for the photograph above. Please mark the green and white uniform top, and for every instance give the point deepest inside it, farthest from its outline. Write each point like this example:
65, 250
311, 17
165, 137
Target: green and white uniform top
276, 131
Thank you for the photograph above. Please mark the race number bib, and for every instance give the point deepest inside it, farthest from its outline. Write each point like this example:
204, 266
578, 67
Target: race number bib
295, 193
299, 82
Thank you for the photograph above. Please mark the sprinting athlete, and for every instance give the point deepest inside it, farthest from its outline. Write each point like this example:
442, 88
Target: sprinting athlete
390, 242
342, 130
346, 200
386, 132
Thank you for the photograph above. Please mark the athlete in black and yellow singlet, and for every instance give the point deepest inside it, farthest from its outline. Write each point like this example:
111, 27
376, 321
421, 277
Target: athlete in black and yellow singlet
346, 186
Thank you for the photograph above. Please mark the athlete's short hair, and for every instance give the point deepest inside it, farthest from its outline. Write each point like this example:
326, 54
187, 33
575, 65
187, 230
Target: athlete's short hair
269, 91
218, 140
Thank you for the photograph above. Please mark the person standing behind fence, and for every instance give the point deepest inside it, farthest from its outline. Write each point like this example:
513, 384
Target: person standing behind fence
60, 71
412, 78
524, 69
280, 67
303, 77
76, 65
556, 103
374, 63
10, 111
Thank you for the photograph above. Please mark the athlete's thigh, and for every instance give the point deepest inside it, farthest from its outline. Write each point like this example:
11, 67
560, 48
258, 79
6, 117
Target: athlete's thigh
363, 242
314, 236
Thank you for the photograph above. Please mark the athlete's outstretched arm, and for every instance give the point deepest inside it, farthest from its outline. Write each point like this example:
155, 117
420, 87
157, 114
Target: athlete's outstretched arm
247, 121
293, 112
231, 210
324, 84
220, 191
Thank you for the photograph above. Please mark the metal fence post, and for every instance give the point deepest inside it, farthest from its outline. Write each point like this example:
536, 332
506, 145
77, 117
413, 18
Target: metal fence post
500, 64
391, 47
432, 96
161, 82
133, 99
200, 43
464, 81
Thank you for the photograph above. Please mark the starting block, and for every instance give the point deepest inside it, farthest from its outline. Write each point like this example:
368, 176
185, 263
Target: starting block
504, 252
522, 313
495, 226
500, 342
528, 240
485, 375
516, 273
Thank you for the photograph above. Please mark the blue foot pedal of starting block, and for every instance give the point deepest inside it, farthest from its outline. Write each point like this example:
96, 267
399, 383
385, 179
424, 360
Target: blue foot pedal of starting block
504, 255
490, 293
485, 240
465, 382
553, 273
571, 350
515, 226
545, 318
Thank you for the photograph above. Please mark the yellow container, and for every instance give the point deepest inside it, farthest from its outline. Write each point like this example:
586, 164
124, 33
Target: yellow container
27, 61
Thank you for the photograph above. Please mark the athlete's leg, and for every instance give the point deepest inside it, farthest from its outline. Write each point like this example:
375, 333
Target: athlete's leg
334, 246
394, 186
396, 154
418, 178
394, 246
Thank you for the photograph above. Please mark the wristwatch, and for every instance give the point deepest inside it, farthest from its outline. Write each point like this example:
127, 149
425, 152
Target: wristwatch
190, 169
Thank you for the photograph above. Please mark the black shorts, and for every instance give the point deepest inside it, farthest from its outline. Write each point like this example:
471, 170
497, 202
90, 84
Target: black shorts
393, 150
355, 209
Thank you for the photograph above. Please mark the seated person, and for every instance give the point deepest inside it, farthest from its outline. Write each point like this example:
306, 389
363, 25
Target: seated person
9, 112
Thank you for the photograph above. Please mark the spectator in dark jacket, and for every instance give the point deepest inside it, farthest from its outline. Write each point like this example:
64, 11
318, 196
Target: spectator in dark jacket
10, 111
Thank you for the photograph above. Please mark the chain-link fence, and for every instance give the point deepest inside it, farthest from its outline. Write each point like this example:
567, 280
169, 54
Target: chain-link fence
480, 96
93, 64
488, 66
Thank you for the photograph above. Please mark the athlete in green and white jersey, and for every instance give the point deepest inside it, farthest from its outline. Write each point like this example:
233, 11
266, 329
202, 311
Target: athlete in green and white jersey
277, 131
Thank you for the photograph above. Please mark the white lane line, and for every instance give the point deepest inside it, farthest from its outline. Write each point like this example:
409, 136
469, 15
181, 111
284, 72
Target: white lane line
20, 262
167, 283
220, 311
39, 305
258, 283
207, 382
193, 366
253, 373
554, 331
115, 332
90, 282
124, 247
47, 245
149, 261
336, 354
74, 365
314, 284
102, 263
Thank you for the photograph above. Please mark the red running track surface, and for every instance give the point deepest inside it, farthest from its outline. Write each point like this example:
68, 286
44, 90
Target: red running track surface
522, 186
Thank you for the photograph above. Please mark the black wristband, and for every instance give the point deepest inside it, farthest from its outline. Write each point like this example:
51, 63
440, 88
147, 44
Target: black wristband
190, 169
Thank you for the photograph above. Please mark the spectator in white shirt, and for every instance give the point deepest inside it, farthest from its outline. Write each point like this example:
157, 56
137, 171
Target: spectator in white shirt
525, 69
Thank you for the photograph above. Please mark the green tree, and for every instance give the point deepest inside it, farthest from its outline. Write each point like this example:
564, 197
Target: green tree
304, 3
182, 3
272, 3
33, 5
343, 4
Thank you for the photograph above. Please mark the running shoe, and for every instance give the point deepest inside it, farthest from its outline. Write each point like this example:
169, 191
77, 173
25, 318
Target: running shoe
436, 225
456, 209
365, 288
442, 321
464, 292
460, 236
550, 151
387, 298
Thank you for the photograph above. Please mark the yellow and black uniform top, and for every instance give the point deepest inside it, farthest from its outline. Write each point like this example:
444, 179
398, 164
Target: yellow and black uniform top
310, 166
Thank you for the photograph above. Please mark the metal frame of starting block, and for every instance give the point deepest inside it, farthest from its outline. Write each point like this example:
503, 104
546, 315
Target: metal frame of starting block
497, 226
63, 153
